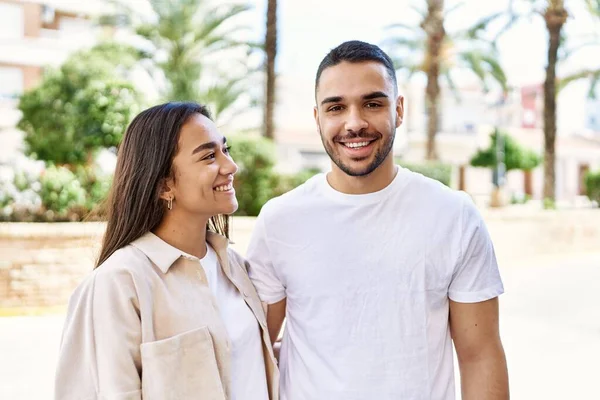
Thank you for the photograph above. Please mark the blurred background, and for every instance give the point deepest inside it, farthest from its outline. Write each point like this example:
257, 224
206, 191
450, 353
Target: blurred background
501, 102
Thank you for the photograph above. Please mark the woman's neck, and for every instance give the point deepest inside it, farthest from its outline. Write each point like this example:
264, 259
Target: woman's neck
184, 233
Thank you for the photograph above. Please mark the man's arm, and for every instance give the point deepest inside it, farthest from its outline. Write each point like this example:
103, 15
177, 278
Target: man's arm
475, 332
275, 317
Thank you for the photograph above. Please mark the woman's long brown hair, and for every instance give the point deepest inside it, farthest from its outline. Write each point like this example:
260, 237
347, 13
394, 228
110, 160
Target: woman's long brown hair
144, 161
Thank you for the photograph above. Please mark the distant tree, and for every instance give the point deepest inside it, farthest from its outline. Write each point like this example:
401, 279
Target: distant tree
430, 50
183, 36
83, 106
516, 157
270, 76
556, 16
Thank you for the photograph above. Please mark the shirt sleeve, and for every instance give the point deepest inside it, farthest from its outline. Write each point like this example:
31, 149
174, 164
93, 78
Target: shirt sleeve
260, 266
476, 276
99, 356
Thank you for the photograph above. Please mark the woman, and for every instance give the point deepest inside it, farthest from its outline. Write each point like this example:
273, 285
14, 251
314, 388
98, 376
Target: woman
169, 312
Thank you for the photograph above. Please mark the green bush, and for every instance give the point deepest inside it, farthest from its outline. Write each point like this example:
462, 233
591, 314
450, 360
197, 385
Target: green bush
592, 186
61, 192
434, 170
255, 158
515, 156
285, 183
96, 185
256, 181
83, 106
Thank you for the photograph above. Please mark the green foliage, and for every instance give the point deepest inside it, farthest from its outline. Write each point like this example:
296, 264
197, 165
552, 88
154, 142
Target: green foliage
463, 50
81, 107
34, 192
284, 183
96, 186
434, 170
592, 186
519, 198
549, 204
61, 191
256, 181
255, 158
515, 156
184, 35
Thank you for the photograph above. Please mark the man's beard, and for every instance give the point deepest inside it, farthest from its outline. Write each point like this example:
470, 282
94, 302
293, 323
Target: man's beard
380, 156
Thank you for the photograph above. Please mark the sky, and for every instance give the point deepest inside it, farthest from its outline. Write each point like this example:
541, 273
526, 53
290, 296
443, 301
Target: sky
309, 28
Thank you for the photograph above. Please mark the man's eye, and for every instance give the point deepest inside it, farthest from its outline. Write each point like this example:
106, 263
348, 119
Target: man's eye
373, 105
335, 108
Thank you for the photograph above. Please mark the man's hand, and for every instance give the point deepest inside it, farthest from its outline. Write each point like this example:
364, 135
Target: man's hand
483, 371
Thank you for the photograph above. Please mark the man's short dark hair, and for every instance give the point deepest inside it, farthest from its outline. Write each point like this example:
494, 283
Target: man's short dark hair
355, 51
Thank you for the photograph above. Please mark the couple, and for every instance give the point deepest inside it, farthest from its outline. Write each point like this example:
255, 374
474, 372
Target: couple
376, 269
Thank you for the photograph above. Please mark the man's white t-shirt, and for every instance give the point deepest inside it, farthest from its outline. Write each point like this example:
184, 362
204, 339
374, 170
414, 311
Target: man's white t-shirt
367, 280
248, 376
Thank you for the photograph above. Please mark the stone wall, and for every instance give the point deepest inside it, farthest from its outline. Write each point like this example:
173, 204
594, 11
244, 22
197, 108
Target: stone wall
41, 264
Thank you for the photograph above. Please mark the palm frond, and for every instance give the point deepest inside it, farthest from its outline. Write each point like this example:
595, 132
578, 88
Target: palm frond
411, 44
452, 85
593, 7
592, 74
215, 18
453, 8
402, 26
484, 65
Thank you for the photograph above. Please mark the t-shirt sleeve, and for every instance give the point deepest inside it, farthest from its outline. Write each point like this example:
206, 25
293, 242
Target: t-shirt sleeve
261, 269
476, 276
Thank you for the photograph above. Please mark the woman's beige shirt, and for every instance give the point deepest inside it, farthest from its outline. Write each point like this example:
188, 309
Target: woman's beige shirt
146, 325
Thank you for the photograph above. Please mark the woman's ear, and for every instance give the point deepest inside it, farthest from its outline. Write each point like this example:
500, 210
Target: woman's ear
166, 190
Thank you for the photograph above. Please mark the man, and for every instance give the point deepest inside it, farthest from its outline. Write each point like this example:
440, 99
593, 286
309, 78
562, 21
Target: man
377, 269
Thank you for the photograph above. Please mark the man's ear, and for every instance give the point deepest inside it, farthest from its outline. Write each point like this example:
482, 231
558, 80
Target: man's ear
316, 115
399, 110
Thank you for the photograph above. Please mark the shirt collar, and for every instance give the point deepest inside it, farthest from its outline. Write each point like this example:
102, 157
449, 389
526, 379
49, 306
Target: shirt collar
164, 255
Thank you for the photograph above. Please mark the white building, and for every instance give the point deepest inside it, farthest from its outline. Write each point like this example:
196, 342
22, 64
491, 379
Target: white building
36, 34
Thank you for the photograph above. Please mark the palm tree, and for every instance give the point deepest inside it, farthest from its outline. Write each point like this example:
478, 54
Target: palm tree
555, 17
430, 50
183, 36
271, 54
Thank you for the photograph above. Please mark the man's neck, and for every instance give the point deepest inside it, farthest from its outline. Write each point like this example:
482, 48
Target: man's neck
374, 182
184, 233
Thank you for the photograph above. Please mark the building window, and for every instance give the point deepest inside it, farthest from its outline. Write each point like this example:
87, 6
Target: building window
12, 21
11, 83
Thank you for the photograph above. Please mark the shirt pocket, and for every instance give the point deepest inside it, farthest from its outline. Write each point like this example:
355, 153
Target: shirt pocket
181, 367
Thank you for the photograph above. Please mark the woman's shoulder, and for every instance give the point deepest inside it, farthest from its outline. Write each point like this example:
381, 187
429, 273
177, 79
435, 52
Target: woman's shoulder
122, 268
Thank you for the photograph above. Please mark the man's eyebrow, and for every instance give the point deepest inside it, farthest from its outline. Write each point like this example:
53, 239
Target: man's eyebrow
370, 96
332, 99
207, 145
374, 95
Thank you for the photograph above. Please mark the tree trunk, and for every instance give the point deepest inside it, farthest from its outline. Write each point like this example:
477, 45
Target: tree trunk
555, 17
271, 54
433, 25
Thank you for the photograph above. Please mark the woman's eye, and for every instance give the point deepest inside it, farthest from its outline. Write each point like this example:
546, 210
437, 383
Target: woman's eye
227, 149
209, 157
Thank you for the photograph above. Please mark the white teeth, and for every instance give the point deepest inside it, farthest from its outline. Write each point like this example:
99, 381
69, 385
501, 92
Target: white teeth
224, 188
356, 145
